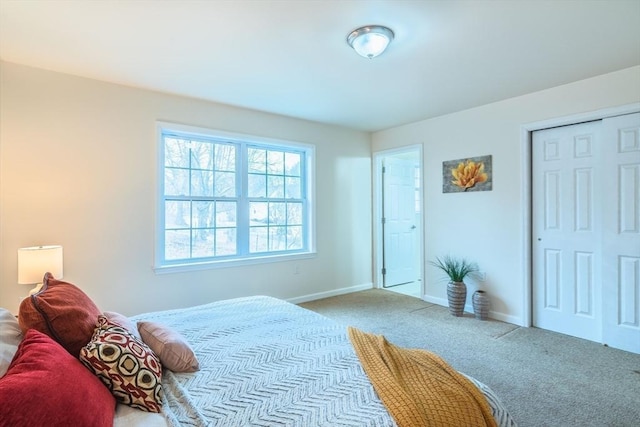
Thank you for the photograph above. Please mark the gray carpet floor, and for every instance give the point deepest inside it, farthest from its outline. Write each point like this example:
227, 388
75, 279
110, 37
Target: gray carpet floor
542, 377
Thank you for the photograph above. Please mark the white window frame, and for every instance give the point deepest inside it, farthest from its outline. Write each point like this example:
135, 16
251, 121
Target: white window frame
162, 266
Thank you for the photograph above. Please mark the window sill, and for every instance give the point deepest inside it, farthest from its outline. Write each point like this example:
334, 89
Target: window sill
211, 265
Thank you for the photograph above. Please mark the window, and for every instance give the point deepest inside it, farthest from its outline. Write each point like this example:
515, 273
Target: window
416, 193
226, 198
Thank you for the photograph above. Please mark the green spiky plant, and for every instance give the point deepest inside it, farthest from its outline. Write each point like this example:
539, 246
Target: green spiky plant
455, 268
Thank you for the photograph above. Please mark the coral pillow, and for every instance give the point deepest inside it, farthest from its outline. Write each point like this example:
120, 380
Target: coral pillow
172, 349
62, 311
125, 365
46, 386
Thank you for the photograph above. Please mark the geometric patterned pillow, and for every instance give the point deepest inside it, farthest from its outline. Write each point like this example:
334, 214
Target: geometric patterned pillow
125, 364
124, 321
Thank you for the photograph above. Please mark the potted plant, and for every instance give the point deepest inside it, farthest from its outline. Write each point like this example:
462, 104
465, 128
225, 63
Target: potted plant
456, 269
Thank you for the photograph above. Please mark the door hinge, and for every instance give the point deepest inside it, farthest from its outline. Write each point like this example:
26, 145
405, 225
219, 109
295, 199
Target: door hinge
384, 271
384, 169
384, 220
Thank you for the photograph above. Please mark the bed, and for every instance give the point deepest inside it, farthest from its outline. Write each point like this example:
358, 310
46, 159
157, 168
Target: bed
266, 362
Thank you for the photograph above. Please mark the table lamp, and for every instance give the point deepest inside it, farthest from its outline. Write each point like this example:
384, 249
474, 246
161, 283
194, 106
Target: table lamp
35, 261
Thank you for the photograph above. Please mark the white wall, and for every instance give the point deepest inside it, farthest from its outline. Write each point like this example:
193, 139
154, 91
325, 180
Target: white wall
77, 168
487, 227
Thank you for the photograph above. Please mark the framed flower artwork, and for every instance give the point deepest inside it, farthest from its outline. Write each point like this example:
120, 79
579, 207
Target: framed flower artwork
464, 175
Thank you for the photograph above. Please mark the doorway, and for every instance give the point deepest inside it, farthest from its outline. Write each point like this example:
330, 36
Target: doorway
398, 218
586, 230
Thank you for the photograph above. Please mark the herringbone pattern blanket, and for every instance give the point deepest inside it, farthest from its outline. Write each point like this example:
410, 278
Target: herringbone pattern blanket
265, 362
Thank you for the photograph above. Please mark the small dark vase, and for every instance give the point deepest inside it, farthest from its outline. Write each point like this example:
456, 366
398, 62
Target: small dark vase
457, 296
481, 302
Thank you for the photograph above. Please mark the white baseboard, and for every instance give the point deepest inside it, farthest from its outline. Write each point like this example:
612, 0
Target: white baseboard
468, 308
332, 293
434, 300
514, 320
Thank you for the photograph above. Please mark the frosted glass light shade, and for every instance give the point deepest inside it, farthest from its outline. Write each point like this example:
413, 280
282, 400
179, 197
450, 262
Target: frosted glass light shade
370, 41
35, 261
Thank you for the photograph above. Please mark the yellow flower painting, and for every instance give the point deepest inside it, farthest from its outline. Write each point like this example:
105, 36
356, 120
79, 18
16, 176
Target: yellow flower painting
468, 174
472, 174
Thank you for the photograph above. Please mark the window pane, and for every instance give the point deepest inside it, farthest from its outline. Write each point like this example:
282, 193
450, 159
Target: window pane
257, 160
294, 238
257, 185
177, 214
275, 187
201, 183
258, 239
202, 215
225, 157
225, 214
294, 213
177, 244
201, 155
176, 182
277, 213
225, 184
275, 162
292, 164
226, 241
277, 238
203, 243
292, 187
418, 206
176, 152
258, 213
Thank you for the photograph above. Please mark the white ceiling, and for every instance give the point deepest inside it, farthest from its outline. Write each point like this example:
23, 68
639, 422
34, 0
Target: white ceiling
291, 57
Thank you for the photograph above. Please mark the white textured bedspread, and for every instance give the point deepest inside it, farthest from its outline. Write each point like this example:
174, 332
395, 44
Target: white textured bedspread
266, 362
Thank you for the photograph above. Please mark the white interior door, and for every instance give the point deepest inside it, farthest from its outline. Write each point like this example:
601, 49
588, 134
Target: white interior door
621, 232
400, 231
567, 230
586, 230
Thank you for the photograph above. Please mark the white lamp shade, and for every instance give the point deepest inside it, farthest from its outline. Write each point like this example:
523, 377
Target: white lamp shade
35, 261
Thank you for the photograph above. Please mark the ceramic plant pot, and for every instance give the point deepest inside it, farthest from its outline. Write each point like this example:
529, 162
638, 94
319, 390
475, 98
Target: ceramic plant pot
457, 295
480, 302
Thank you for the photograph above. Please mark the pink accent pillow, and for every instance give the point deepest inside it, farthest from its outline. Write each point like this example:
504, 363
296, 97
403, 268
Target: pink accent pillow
123, 321
125, 365
62, 311
172, 349
45, 385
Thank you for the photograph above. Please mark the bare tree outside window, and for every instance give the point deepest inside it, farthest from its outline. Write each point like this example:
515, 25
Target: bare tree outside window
204, 197
199, 177
275, 182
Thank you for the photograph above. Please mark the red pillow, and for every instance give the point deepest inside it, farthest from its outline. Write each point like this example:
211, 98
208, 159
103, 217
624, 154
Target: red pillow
62, 311
45, 385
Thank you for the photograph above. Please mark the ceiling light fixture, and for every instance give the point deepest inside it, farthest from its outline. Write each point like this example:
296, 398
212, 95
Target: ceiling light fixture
370, 41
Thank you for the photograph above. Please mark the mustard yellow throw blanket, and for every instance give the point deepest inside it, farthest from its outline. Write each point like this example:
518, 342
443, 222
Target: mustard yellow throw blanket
418, 387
